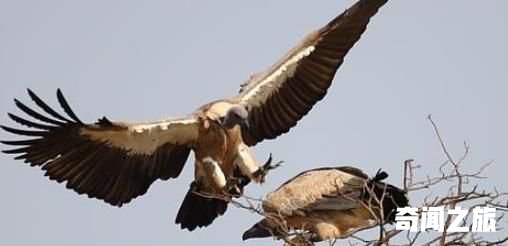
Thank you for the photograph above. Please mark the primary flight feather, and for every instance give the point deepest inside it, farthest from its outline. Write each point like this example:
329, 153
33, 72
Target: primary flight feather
118, 161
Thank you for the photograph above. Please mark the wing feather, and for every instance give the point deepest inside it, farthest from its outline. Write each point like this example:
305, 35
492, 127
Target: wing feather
28, 123
324, 188
115, 162
303, 76
36, 115
45, 107
66, 107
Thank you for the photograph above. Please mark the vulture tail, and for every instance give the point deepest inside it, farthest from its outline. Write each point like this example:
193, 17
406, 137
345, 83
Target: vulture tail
393, 198
199, 211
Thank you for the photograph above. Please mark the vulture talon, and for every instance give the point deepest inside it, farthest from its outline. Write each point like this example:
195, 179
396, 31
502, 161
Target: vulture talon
304, 239
118, 161
309, 191
262, 172
233, 187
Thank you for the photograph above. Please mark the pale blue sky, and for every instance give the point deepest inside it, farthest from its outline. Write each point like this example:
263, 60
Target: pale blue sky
134, 60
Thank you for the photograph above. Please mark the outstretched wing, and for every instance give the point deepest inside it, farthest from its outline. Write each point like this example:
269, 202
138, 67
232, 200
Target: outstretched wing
319, 189
115, 162
282, 95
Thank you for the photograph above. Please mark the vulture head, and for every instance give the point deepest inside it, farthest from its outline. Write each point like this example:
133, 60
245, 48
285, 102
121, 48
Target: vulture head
259, 230
328, 203
236, 115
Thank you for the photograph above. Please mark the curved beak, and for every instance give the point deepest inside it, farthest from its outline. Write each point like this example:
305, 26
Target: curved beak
256, 231
245, 124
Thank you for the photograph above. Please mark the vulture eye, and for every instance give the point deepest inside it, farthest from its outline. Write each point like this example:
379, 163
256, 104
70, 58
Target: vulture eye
234, 115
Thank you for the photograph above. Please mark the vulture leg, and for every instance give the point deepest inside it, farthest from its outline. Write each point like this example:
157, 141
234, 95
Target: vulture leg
213, 169
234, 186
261, 173
249, 166
325, 231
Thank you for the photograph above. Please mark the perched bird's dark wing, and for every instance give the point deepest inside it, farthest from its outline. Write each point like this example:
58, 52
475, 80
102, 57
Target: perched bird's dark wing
277, 98
115, 162
318, 189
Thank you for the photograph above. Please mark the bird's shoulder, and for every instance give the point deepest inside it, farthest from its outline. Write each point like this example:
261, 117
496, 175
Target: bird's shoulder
311, 186
215, 110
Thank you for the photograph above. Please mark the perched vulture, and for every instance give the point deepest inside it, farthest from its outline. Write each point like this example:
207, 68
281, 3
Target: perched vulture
118, 161
328, 203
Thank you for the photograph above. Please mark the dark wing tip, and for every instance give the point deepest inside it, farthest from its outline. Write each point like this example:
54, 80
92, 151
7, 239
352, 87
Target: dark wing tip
30, 92
65, 105
44, 106
32, 96
23, 132
374, 4
29, 123
380, 175
11, 151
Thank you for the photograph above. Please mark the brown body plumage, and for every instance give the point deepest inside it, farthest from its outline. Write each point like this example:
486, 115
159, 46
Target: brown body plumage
118, 161
328, 203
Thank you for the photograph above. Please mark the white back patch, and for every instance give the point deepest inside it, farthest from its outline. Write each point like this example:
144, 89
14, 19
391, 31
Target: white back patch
146, 138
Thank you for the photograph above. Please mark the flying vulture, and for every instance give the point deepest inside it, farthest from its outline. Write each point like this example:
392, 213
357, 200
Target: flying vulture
118, 161
328, 203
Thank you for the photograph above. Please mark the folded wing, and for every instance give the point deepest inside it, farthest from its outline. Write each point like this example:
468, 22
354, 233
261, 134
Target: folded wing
115, 162
279, 97
319, 189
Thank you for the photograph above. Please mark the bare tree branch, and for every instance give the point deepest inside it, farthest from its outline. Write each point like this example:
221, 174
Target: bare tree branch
463, 189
